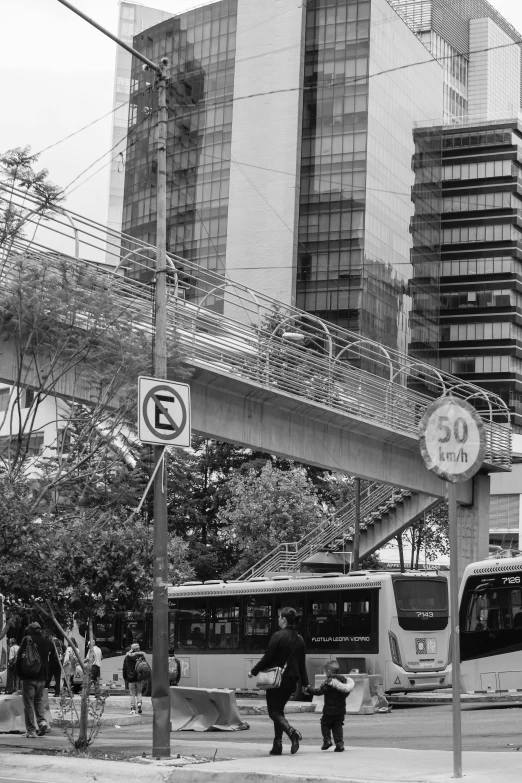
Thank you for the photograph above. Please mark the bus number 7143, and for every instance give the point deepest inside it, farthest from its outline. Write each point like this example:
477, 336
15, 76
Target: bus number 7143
424, 614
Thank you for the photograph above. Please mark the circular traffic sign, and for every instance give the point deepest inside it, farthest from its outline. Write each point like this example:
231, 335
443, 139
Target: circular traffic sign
174, 427
452, 439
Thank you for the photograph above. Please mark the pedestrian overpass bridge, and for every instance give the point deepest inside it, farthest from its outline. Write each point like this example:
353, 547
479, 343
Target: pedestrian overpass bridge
268, 376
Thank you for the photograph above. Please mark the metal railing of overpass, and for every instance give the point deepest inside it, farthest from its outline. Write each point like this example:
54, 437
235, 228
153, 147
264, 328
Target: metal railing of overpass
237, 332
289, 557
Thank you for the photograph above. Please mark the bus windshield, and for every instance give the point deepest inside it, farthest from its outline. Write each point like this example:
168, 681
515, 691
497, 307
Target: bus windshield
421, 595
489, 608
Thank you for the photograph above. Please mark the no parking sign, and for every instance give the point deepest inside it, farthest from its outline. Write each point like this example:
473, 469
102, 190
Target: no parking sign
163, 412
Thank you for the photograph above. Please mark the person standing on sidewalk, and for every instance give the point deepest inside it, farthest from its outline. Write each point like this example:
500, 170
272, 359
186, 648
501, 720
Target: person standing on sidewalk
12, 683
286, 648
335, 689
96, 660
130, 675
32, 667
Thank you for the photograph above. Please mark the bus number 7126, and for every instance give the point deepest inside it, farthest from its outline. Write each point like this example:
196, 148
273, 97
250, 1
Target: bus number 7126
511, 580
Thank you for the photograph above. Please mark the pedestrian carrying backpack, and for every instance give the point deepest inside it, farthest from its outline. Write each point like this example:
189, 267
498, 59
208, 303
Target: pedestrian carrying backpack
31, 663
143, 670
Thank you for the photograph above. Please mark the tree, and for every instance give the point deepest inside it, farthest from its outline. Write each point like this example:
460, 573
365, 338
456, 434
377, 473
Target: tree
61, 320
267, 507
429, 534
17, 174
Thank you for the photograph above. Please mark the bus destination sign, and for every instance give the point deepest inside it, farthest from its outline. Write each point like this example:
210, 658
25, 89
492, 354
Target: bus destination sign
452, 439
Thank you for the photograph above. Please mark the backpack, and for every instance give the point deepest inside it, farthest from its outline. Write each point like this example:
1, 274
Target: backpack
30, 661
143, 670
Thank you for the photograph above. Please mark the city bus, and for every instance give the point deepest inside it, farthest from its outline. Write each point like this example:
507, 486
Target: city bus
392, 624
378, 622
491, 625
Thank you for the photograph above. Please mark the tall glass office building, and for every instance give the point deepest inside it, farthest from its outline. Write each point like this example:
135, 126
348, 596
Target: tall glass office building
289, 151
475, 172
200, 46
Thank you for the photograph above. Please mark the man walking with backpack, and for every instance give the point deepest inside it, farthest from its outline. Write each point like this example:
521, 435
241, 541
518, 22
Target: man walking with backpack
135, 667
32, 667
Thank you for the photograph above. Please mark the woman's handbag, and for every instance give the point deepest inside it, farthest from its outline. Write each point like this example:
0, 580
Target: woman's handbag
271, 678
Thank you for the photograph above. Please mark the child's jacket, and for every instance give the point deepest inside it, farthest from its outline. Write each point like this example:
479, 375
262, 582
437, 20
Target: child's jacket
336, 689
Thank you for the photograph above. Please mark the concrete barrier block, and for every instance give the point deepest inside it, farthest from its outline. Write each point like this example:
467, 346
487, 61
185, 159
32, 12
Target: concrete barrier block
318, 701
12, 712
204, 709
379, 700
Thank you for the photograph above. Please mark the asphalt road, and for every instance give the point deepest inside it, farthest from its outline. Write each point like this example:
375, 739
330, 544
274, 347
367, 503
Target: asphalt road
425, 728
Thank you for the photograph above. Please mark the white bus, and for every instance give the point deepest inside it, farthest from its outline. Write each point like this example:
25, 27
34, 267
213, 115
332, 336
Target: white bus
491, 625
391, 624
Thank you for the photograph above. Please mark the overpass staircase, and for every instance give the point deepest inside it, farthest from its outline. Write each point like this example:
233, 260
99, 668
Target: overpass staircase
384, 512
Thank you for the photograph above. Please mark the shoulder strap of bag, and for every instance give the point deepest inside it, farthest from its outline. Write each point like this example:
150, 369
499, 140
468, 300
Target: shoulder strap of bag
291, 651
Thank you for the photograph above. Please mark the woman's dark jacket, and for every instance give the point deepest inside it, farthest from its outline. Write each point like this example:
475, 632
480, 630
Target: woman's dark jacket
335, 690
278, 652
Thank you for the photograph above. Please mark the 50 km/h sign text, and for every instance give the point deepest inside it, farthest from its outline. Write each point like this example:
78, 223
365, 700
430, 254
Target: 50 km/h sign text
459, 435
452, 439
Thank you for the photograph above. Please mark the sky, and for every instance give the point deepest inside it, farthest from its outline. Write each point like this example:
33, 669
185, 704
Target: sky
57, 73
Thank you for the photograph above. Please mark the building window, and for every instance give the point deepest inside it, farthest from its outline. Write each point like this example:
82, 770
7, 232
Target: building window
29, 398
503, 297
32, 445
478, 266
4, 399
497, 233
483, 170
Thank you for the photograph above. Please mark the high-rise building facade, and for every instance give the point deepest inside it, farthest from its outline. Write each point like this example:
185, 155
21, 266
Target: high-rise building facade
290, 146
471, 284
132, 18
289, 151
479, 50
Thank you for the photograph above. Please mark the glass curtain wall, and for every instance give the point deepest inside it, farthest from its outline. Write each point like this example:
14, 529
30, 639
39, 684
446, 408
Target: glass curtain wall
425, 253
200, 46
335, 122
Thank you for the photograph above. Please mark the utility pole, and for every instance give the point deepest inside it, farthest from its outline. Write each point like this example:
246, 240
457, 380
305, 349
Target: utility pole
357, 525
160, 603
160, 596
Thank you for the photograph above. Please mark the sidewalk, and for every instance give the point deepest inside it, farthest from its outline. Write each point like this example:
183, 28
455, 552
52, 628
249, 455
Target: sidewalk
355, 765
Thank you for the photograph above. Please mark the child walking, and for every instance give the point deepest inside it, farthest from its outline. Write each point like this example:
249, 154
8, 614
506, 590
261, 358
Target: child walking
335, 689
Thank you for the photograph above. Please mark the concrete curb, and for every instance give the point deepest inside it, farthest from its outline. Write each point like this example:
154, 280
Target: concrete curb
465, 698
261, 709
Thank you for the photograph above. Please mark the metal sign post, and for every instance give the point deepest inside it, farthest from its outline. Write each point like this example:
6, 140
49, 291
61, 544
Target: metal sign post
452, 444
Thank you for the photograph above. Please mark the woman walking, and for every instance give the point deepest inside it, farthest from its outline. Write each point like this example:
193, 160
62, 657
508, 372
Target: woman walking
286, 650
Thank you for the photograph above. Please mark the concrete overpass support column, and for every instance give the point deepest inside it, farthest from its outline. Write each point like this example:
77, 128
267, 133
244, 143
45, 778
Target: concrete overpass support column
473, 524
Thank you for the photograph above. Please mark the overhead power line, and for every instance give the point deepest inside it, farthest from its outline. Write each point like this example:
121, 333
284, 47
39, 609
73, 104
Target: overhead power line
89, 125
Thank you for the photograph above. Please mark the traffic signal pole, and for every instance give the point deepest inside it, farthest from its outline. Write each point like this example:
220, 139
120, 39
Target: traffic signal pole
160, 606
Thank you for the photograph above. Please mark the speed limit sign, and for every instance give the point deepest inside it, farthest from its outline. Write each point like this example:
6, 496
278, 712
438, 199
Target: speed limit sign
452, 439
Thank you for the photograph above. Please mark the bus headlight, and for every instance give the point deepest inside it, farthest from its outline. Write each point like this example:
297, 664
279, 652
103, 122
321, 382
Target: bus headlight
394, 648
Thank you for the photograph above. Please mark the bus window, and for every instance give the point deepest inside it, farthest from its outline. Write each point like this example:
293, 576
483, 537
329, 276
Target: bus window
106, 636
322, 620
134, 631
355, 613
192, 624
421, 595
491, 621
172, 632
296, 601
223, 629
257, 622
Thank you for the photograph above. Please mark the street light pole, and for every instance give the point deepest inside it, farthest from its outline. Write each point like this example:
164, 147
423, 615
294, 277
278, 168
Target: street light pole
357, 526
160, 603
